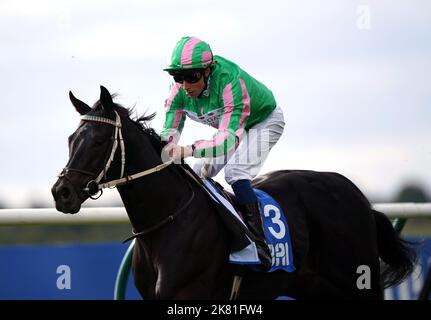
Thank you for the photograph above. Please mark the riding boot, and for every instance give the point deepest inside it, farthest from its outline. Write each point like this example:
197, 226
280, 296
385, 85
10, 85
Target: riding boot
253, 220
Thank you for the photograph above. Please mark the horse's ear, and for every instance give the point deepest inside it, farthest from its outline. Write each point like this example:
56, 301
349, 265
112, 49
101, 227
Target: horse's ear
105, 98
80, 106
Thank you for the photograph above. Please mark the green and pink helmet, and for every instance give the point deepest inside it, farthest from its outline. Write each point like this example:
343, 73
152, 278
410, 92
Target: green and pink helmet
190, 53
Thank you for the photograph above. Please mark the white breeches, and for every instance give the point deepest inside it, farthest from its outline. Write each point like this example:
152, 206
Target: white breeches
247, 160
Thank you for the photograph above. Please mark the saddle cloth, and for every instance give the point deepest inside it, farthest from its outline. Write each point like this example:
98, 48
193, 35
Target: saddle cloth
275, 228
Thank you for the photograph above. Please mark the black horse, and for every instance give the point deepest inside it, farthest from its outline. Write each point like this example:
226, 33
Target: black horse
183, 247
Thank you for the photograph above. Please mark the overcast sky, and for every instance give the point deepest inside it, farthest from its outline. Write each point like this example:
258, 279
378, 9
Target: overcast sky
353, 78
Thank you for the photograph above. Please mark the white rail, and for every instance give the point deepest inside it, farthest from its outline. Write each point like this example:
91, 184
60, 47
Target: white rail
50, 216
404, 210
118, 215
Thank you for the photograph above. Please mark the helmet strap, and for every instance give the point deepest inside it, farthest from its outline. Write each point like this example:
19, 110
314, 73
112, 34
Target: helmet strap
206, 81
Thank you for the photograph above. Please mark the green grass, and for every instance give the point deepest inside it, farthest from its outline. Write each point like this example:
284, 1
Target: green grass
113, 233
63, 234
417, 227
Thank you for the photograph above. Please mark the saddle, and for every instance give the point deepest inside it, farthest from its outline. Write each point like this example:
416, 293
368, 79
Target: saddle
229, 196
239, 235
243, 249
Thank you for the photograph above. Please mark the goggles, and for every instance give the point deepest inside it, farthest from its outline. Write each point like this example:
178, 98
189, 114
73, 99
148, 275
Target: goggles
189, 77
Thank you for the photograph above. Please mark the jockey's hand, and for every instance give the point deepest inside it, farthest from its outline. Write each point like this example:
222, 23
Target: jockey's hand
175, 151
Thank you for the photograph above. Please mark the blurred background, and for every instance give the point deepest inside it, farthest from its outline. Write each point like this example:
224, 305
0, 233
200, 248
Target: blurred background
353, 79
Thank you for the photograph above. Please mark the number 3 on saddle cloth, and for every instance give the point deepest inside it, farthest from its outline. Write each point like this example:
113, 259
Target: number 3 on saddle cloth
243, 250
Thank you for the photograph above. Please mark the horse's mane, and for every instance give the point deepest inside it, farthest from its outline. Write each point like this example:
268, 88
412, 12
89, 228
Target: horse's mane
140, 122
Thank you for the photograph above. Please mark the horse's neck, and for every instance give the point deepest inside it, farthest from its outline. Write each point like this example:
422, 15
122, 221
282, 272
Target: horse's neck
150, 198
149, 201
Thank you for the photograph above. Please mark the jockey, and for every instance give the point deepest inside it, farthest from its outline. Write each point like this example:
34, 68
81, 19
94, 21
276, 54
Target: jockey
215, 91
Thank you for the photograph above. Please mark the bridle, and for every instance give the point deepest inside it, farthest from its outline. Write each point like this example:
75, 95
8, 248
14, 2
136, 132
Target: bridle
94, 185
118, 140
97, 186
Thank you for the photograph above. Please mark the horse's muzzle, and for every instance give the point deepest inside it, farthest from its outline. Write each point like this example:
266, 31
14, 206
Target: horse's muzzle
65, 197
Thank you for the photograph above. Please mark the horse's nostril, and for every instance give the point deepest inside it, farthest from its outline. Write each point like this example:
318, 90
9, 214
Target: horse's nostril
64, 193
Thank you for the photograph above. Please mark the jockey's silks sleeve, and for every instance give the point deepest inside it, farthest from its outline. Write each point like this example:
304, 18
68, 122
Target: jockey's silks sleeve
234, 114
175, 115
232, 102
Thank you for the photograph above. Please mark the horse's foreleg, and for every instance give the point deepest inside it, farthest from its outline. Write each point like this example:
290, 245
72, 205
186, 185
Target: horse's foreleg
144, 274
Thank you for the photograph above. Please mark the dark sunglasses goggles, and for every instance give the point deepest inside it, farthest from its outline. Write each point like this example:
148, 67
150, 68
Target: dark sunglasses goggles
189, 77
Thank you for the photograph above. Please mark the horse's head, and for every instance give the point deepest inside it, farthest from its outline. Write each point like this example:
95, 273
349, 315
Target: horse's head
92, 148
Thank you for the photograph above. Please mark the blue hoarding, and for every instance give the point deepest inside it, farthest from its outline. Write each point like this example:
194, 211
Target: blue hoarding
84, 271
88, 271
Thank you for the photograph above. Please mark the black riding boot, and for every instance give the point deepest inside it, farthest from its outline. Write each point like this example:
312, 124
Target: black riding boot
253, 220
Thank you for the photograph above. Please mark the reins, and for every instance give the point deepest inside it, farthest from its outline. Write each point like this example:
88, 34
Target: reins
166, 220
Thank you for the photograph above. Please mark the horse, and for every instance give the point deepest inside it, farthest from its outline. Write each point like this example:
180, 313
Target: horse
182, 245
